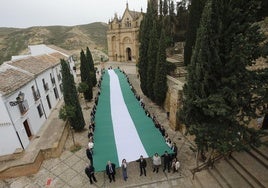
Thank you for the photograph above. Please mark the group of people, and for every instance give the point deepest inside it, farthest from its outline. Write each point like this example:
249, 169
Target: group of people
90, 170
170, 160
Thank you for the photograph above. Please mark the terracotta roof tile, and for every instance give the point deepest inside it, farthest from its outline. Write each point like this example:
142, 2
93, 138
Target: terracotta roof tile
58, 56
11, 80
37, 64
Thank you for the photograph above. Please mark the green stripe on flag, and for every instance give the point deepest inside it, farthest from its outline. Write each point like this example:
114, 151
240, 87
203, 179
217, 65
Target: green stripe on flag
104, 141
150, 136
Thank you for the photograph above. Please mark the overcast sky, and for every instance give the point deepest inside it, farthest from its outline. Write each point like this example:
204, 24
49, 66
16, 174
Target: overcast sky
28, 13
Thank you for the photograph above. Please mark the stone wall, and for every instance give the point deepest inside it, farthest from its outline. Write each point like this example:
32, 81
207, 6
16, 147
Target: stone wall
173, 102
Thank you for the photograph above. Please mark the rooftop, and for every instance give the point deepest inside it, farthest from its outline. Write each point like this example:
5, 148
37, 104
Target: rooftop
12, 79
21, 69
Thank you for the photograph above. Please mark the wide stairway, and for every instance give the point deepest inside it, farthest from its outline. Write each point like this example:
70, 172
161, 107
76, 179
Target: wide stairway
242, 169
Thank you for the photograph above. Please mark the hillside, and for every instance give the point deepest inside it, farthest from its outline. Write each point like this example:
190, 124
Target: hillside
14, 41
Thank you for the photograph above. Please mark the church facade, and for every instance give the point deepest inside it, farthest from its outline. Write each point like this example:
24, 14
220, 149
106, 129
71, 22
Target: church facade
123, 36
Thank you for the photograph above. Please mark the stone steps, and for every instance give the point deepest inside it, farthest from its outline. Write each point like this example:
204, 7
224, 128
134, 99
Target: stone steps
204, 179
260, 155
253, 167
243, 169
244, 174
232, 175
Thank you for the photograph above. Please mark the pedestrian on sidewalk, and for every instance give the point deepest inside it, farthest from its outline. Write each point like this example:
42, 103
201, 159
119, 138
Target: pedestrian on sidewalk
156, 162
175, 165
90, 170
124, 169
89, 155
167, 160
110, 171
143, 165
174, 149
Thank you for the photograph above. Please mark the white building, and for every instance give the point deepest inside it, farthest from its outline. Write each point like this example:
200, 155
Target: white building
30, 87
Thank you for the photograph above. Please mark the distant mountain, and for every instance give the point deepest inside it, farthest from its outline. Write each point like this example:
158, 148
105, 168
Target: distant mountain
14, 41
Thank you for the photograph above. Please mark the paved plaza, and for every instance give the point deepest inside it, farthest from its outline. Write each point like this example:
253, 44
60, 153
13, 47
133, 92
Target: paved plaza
68, 170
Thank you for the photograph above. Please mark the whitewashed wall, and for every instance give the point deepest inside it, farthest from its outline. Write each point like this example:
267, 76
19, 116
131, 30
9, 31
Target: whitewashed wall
9, 141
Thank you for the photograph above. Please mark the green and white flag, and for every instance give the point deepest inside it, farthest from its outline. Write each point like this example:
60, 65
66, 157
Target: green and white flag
123, 131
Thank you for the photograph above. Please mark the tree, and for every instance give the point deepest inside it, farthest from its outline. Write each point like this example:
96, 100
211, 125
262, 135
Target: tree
222, 94
66, 113
181, 21
165, 8
160, 84
91, 67
161, 7
196, 9
146, 25
71, 98
262, 12
85, 76
152, 61
82, 88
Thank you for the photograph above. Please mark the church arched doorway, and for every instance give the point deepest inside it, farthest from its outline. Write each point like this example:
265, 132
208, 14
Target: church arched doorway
128, 52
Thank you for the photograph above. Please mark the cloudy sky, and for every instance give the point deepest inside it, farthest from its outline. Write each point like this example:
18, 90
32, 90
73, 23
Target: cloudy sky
27, 13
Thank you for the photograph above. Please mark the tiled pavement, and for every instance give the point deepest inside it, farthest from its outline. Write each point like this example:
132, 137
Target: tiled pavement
68, 170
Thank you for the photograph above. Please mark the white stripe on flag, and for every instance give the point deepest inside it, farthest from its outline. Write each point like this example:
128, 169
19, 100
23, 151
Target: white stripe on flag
128, 143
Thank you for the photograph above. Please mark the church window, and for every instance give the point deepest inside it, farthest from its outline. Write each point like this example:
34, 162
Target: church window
128, 23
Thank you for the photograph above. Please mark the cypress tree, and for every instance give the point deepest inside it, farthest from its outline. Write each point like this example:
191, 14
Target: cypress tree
165, 8
220, 95
196, 9
161, 7
181, 21
146, 26
160, 84
152, 61
85, 76
91, 67
71, 98
263, 10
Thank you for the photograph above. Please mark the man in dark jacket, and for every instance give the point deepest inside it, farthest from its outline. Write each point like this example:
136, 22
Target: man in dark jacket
89, 170
89, 156
143, 165
167, 161
110, 171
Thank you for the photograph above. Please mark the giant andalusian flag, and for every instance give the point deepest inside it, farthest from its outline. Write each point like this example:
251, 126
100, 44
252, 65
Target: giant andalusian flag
123, 131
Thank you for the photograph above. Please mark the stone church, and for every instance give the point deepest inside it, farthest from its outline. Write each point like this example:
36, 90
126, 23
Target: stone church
123, 36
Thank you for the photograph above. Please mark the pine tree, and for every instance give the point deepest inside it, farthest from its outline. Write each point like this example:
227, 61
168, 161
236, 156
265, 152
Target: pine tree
71, 98
91, 67
196, 9
161, 7
85, 76
160, 84
152, 61
222, 94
